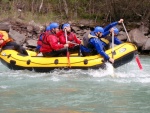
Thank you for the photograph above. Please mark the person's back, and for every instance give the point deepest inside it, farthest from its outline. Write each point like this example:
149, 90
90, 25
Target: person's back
45, 43
39, 42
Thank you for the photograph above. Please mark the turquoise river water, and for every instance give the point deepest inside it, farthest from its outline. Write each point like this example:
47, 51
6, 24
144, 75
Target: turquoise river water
77, 91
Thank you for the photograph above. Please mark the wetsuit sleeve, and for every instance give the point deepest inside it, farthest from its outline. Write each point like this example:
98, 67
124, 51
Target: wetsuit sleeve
105, 34
110, 26
99, 47
117, 41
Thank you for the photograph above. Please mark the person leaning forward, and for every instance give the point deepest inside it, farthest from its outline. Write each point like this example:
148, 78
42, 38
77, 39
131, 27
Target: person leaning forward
51, 46
95, 41
95, 44
8, 43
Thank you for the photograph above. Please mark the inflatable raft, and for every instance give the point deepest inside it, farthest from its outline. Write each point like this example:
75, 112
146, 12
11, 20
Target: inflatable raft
123, 54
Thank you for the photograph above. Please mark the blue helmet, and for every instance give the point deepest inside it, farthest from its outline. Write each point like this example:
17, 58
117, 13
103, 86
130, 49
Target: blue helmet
47, 28
116, 31
53, 25
65, 25
98, 29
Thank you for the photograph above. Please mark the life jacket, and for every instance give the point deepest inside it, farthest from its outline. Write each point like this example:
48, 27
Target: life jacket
5, 38
88, 36
39, 42
85, 39
46, 47
44, 39
70, 37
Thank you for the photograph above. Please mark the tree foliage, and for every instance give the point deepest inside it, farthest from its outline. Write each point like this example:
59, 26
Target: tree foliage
106, 10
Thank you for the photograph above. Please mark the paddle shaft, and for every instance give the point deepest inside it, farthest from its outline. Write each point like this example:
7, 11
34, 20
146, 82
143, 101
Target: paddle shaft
68, 55
113, 75
66, 38
137, 58
126, 32
112, 44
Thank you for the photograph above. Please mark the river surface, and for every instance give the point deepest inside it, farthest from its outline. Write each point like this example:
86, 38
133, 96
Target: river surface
77, 91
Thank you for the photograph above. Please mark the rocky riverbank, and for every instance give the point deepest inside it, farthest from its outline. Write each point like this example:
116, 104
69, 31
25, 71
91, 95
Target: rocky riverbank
27, 33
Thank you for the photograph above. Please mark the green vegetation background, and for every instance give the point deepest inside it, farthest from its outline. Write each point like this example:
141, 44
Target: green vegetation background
97, 11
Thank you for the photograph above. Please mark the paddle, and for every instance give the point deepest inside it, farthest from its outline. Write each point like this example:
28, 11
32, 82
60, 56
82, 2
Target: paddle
126, 32
137, 57
138, 62
68, 55
113, 75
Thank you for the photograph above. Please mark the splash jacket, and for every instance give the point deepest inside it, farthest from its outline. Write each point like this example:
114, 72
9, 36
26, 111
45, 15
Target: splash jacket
50, 43
70, 36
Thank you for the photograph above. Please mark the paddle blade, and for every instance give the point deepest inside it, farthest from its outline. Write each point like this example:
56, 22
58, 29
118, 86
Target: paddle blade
68, 57
138, 62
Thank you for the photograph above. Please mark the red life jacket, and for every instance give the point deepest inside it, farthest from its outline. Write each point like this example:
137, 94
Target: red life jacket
70, 37
50, 42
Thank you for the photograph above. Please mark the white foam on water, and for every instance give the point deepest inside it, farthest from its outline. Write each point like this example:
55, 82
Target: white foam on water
143, 80
55, 79
4, 87
126, 73
20, 74
102, 72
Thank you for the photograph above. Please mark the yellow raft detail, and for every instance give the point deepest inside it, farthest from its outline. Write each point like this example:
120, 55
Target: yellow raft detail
13, 60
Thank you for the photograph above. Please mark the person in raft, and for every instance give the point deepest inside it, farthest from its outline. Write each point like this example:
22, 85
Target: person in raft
72, 40
51, 47
116, 32
39, 42
8, 43
94, 41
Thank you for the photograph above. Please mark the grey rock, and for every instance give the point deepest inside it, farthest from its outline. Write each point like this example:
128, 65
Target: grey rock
31, 42
19, 38
146, 46
137, 37
122, 36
